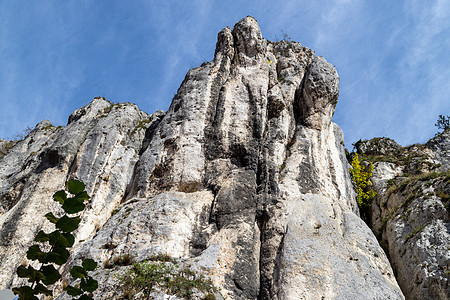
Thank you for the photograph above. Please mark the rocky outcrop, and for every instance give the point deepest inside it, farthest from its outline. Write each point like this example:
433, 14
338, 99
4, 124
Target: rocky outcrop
100, 146
410, 214
244, 180
5, 146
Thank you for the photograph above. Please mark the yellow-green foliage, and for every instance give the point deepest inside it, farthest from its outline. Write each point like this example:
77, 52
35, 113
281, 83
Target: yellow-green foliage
361, 178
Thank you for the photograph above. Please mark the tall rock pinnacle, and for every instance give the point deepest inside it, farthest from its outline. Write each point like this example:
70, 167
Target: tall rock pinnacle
244, 179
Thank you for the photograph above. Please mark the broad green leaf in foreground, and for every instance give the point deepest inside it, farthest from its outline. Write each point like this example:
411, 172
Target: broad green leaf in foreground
89, 264
75, 186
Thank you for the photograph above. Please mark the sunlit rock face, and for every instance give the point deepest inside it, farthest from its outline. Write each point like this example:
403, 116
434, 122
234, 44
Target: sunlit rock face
100, 146
244, 179
410, 213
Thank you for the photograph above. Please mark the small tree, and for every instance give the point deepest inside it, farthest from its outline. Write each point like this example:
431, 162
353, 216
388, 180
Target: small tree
443, 122
58, 241
361, 178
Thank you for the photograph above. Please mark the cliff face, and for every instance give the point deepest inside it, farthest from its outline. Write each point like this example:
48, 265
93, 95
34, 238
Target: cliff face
244, 179
411, 212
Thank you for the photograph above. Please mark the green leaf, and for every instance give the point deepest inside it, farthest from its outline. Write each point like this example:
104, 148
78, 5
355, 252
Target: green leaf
70, 239
51, 274
75, 186
82, 196
57, 239
25, 292
41, 237
85, 297
32, 274
41, 289
22, 272
73, 205
51, 217
73, 291
89, 285
78, 272
67, 224
59, 255
35, 253
89, 264
60, 196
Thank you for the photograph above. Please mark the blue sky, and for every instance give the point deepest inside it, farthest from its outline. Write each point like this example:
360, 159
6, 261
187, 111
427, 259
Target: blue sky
393, 57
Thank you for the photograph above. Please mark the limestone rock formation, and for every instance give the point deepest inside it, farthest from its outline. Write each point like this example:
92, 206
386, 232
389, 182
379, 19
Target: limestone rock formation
100, 146
244, 179
411, 212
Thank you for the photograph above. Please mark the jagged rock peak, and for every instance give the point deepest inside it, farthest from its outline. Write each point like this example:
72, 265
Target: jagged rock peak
249, 44
245, 42
225, 44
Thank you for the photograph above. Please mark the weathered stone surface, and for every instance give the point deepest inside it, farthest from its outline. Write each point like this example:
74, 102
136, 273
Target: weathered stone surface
317, 233
99, 146
411, 216
377, 146
440, 145
5, 146
244, 178
320, 94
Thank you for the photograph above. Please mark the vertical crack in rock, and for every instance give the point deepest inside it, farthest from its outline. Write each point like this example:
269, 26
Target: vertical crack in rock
149, 133
200, 232
213, 145
10, 198
7, 233
333, 174
277, 265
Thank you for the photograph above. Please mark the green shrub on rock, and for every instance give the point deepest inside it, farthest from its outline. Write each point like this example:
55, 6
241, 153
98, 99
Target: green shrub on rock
166, 275
361, 177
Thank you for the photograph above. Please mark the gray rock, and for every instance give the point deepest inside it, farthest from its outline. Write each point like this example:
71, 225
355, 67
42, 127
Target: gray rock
320, 94
377, 146
411, 217
99, 146
440, 145
248, 42
5, 146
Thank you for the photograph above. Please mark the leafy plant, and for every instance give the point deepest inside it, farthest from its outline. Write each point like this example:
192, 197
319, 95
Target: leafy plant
166, 275
361, 178
142, 124
87, 283
58, 241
